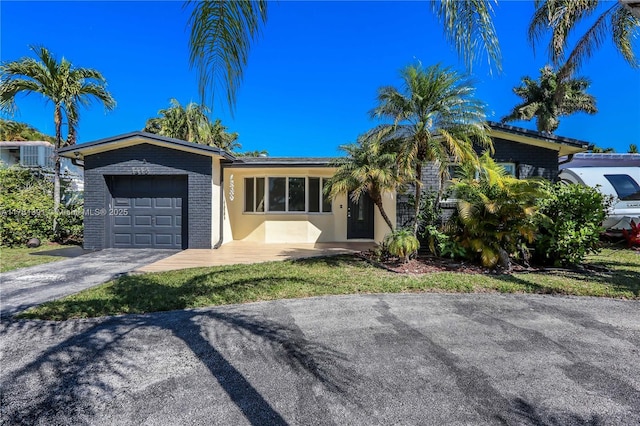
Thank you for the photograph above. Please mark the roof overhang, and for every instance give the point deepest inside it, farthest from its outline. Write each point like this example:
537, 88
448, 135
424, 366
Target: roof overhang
563, 146
82, 150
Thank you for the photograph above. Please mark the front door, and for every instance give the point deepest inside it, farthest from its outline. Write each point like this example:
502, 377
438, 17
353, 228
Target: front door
360, 218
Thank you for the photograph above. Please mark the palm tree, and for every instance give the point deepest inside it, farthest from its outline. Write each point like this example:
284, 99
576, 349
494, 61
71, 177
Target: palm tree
222, 33
65, 86
633, 149
561, 17
368, 168
191, 124
550, 98
435, 118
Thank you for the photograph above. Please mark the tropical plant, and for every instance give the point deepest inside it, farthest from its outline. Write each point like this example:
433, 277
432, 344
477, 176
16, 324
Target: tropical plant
599, 150
17, 131
495, 212
549, 98
435, 117
632, 235
368, 168
192, 124
570, 223
402, 243
561, 17
59, 82
255, 153
633, 148
27, 206
222, 33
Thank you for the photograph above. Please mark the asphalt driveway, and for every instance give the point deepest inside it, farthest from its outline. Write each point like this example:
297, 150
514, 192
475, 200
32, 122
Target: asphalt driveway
426, 359
26, 287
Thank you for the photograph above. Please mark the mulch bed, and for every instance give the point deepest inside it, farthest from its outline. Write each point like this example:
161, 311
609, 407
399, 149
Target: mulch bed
425, 264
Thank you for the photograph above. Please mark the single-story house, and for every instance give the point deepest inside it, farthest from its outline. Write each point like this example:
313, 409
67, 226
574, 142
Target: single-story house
144, 190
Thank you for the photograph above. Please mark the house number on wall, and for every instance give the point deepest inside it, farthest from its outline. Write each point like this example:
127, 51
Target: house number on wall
140, 170
231, 188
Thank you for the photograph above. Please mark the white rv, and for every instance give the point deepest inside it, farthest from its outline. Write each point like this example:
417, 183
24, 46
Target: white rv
622, 183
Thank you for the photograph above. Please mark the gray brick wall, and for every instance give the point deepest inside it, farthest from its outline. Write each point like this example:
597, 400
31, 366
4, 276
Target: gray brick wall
531, 161
155, 160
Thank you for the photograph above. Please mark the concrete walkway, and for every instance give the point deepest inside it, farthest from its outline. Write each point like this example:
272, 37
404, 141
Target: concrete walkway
394, 359
27, 287
242, 252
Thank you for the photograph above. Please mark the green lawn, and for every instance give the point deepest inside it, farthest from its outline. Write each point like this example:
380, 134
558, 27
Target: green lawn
200, 287
19, 257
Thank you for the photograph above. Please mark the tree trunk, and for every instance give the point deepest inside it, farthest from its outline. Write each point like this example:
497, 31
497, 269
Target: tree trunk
56, 172
378, 202
417, 199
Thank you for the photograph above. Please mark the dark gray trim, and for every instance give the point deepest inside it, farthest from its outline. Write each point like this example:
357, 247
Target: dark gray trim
150, 136
254, 162
538, 135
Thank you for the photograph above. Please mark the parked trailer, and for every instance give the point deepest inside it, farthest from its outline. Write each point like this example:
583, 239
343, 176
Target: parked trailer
622, 183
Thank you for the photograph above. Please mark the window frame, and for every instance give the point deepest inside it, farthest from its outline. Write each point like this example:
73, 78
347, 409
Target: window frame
325, 205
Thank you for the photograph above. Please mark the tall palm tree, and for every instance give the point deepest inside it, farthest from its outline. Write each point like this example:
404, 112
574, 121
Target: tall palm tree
435, 118
561, 17
59, 82
368, 168
192, 124
550, 98
222, 33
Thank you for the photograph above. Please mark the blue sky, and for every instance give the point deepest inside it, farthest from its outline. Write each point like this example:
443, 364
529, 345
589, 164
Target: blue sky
312, 76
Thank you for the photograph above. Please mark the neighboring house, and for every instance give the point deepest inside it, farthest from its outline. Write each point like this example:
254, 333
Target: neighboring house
146, 190
38, 154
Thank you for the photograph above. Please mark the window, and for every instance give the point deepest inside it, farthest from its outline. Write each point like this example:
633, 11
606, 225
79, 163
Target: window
29, 156
510, 168
296, 195
318, 202
286, 194
277, 194
254, 194
625, 186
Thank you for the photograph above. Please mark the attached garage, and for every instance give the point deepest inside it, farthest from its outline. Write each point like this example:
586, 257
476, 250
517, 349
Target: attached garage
148, 191
147, 211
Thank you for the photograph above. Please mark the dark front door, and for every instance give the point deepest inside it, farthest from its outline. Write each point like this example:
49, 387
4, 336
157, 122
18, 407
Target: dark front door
147, 211
360, 218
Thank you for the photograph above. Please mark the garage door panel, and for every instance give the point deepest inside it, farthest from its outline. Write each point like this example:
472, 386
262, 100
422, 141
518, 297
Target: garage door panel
122, 240
154, 211
142, 202
143, 239
122, 221
165, 220
164, 203
164, 240
122, 202
143, 220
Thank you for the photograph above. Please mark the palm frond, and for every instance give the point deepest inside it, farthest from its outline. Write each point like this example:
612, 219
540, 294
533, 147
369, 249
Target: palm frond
220, 39
468, 26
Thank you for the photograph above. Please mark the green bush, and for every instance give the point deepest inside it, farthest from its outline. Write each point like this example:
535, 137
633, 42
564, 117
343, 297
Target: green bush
495, 217
402, 243
26, 206
26, 209
571, 226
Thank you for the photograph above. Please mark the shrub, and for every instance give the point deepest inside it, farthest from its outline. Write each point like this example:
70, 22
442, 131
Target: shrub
402, 243
26, 209
26, 206
571, 226
495, 217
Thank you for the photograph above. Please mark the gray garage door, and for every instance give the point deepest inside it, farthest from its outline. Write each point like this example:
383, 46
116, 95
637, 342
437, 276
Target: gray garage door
147, 211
